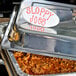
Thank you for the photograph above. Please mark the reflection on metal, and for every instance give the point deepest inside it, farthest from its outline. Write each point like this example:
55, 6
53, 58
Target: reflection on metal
1, 62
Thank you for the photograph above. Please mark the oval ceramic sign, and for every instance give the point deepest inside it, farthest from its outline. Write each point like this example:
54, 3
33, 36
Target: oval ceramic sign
40, 16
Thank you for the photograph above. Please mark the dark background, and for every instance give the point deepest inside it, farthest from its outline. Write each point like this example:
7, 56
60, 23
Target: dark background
7, 4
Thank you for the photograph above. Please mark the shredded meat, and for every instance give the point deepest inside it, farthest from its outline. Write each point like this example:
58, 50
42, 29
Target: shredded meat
38, 65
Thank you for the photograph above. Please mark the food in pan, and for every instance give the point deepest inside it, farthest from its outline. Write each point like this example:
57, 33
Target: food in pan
14, 35
34, 64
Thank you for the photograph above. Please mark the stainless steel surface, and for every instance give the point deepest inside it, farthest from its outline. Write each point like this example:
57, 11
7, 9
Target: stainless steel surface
10, 26
1, 62
8, 63
13, 66
2, 25
63, 43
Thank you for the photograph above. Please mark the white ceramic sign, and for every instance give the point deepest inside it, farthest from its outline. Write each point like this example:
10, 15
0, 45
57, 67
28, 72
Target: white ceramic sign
40, 16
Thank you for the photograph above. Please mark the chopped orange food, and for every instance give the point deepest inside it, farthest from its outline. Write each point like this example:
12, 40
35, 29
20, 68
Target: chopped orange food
40, 65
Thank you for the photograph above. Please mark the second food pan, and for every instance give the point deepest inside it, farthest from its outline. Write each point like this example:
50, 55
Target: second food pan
14, 69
